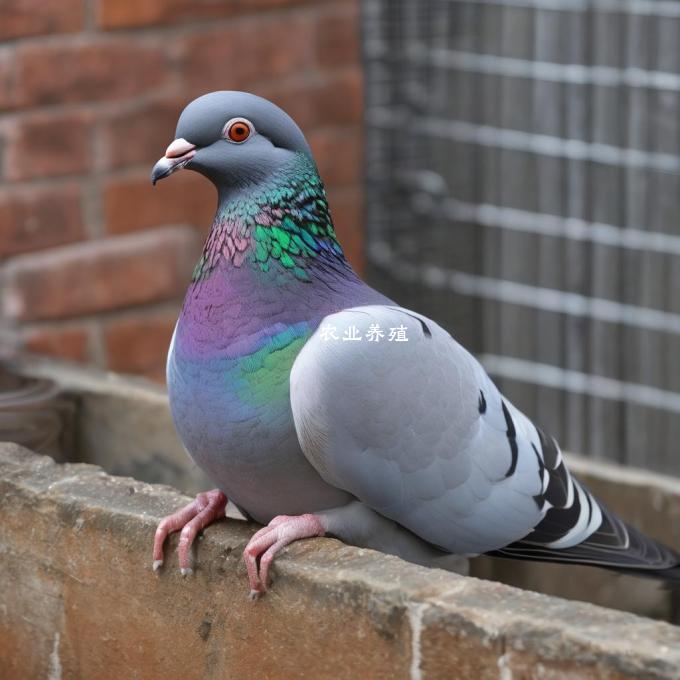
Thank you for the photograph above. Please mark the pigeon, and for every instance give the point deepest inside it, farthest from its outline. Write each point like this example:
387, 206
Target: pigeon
320, 407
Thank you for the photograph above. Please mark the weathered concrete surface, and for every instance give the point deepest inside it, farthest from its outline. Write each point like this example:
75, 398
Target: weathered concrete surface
78, 599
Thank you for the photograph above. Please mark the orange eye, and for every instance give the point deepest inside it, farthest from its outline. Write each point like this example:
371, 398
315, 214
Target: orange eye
238, 130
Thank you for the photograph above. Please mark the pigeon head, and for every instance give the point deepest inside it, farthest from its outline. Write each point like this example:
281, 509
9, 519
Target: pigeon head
234, 138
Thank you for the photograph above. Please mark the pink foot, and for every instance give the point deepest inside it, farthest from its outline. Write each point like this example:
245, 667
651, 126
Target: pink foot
191, 519
281, 531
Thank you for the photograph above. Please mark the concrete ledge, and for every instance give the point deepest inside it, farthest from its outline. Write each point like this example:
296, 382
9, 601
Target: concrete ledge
78, 599
124, 425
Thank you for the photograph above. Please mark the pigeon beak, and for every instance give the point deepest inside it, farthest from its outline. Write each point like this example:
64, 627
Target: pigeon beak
177, 155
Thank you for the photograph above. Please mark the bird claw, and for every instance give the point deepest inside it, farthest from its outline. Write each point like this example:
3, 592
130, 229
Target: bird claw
191, 519
266, 542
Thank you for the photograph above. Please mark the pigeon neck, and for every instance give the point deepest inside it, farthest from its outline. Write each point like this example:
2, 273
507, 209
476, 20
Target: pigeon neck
281, 225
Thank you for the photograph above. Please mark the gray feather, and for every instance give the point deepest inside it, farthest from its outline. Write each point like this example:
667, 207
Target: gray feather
398, 425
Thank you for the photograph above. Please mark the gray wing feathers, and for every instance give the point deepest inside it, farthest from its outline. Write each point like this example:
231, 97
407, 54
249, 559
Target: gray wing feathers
400, 425
418, 432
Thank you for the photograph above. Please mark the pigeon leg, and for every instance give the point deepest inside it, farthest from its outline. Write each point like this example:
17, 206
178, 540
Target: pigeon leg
191, 519
355, 524
280, 532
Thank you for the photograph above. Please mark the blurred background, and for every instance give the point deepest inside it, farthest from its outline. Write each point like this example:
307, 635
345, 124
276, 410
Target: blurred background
510, 168
524, 189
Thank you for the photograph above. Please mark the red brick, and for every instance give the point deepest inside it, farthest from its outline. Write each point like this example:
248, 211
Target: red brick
339, 100
100, 275
156, 374
347, 210
22, 18
7, 77
338, 153
47, 145
68, 73
139, 344
133, 13
132, 203
337, 35
267, 48
140, 135
65, 343
35, 218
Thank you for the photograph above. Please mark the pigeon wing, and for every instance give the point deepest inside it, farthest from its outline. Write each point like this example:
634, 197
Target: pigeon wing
412, 426
415, 429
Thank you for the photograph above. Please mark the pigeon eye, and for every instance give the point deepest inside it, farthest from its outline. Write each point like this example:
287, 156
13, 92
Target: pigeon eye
238, 130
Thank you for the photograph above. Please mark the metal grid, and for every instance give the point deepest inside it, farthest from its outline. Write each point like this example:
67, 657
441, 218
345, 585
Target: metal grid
523, 172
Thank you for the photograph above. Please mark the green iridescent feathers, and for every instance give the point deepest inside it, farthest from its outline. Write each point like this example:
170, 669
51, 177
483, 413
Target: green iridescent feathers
284, 223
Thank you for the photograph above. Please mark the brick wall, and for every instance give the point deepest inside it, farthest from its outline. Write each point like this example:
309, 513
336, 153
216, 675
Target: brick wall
93, 260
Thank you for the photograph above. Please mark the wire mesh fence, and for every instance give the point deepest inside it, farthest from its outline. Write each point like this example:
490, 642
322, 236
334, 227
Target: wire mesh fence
523, 184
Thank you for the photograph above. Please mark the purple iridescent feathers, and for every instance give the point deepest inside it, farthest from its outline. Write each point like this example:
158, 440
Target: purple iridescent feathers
271, 269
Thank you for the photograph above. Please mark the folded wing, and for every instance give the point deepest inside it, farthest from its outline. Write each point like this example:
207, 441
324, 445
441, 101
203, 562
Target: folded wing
410, 424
